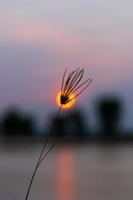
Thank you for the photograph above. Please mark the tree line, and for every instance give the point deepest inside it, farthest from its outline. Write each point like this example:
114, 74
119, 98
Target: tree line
71, 126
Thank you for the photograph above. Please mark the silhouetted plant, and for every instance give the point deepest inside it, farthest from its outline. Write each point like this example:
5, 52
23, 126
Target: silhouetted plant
70, 85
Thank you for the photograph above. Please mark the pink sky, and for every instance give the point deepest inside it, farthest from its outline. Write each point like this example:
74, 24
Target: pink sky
38, 39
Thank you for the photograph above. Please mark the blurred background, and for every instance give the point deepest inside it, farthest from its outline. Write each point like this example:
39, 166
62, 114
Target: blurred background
93, 156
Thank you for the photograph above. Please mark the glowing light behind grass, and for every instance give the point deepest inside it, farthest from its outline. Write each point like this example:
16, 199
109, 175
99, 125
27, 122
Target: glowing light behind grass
67, 105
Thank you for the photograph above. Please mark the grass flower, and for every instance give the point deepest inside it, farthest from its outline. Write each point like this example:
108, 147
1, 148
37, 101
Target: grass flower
71, 88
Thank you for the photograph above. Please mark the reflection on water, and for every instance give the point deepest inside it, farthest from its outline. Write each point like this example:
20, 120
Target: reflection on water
65, 175
76, 173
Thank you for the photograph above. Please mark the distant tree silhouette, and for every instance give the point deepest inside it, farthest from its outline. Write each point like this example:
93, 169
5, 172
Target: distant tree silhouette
57, 127
14, 123
70, 127
109, 111
76, 125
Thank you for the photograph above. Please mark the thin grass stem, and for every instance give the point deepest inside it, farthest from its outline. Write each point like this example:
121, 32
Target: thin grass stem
42, 156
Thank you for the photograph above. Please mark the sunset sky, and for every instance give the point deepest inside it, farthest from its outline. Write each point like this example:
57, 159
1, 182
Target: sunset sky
39, 39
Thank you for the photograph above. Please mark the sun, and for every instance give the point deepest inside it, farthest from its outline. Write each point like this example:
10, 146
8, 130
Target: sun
67, 105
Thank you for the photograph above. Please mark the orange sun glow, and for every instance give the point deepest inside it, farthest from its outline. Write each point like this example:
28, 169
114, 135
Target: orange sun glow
67, 105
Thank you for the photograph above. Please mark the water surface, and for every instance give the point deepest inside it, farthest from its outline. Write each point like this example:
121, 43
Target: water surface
87, 172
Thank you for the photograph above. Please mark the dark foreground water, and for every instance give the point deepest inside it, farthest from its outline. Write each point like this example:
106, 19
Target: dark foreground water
92, 172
